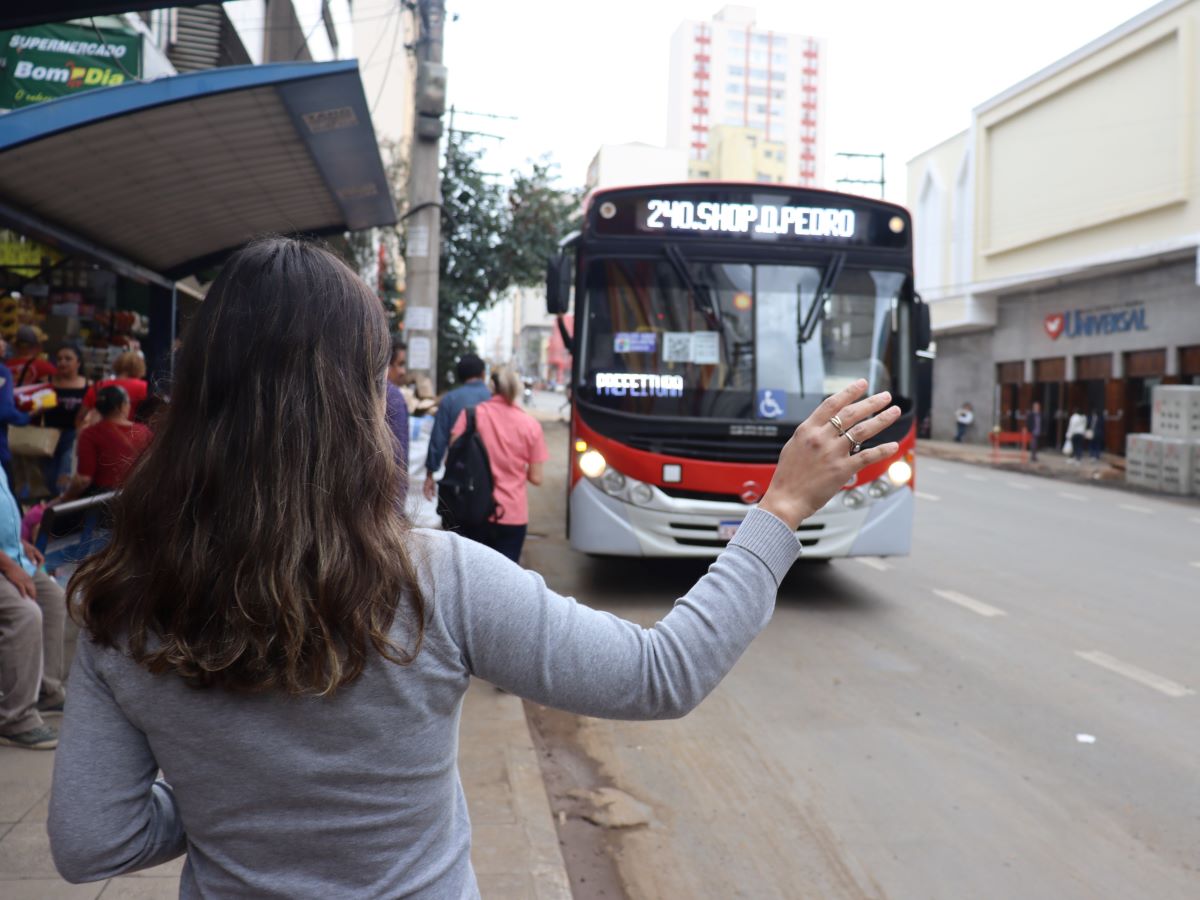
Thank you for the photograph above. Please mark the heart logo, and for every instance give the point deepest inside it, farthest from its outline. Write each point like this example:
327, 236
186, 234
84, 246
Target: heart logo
1054, 325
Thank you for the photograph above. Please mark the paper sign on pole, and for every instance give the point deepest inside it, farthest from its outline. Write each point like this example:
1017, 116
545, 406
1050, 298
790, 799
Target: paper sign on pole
419, 355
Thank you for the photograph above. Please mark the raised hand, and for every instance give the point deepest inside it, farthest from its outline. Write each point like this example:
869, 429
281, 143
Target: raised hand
824, 452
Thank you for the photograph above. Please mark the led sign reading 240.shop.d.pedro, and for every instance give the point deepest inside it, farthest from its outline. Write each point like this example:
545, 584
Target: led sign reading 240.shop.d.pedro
747, 218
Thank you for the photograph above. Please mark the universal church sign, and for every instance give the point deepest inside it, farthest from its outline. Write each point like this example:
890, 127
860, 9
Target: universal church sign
1094, 322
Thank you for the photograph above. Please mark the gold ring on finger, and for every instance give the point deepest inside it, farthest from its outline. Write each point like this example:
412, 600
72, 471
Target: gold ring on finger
855, 446
836, 422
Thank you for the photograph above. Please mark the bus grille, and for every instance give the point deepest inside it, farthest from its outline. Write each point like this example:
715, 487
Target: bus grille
718, 449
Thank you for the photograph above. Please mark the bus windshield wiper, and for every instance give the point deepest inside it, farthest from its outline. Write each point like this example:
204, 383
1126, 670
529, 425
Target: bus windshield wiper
703, 300
816, 312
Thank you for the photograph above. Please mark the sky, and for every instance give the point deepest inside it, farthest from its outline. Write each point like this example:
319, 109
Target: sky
902, 76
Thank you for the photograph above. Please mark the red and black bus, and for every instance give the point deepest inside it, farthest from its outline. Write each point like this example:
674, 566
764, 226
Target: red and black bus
709, 320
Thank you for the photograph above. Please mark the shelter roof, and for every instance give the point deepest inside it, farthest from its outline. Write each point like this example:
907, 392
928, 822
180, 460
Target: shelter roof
173, 174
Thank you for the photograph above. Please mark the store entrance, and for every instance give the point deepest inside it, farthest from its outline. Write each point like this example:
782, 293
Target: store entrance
1144, 370
1009, 415
1089, 393
1049, 376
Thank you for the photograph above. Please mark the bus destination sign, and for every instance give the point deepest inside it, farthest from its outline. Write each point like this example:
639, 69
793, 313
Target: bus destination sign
778, 216
742, 218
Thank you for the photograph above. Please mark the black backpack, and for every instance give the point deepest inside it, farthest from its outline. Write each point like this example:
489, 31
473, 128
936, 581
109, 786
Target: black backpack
465, 491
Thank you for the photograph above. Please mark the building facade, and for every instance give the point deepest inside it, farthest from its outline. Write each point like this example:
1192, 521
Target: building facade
1058, 238
618, 165
741, 154
727, 71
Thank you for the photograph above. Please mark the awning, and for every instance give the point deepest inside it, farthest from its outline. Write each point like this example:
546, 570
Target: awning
175, 173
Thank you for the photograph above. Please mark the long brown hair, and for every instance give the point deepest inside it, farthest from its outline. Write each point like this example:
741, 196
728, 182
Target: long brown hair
258, 544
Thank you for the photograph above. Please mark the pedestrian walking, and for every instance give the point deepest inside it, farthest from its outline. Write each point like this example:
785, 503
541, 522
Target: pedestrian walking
397, 409
267, 632
70, 387
1095, 433
9, 415
964, 419
1033, 422
1076, 435
33, 612
471, 392
516, 449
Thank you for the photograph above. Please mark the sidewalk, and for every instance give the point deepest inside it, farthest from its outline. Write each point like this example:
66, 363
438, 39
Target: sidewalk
515, 849
1108, 470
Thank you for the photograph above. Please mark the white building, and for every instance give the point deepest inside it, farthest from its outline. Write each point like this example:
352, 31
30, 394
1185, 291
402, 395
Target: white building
517, 332
616, 165
729, 71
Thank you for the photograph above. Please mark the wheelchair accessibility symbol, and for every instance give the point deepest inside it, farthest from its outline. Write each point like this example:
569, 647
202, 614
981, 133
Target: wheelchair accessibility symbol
772, 403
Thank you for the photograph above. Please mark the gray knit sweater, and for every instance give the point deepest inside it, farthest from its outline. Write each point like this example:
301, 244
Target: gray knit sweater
359, 795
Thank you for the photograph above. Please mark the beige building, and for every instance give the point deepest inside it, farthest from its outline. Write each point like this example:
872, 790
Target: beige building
741, 154
1057, 238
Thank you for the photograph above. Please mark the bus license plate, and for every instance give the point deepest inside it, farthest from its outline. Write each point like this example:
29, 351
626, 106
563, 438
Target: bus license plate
726, 530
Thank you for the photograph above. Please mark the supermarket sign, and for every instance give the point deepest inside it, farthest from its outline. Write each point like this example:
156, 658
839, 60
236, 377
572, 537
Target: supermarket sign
51, 61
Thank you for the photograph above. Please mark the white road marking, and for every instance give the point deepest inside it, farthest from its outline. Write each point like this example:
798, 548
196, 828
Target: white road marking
873, 563
969, 603
971, 476
1137, 509
1141, 676
1196, 564
1076, 497
921, 495
1017, 486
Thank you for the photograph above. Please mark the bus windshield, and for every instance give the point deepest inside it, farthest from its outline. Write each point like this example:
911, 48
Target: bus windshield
667, 337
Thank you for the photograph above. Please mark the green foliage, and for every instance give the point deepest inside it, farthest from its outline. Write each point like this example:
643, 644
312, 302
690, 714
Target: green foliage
492, 238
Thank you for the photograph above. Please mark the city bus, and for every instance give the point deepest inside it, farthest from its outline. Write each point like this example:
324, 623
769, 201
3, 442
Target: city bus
710, 319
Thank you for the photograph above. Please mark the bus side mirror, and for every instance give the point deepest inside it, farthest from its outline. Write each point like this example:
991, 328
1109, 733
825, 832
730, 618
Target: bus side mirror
558, 284
922, 330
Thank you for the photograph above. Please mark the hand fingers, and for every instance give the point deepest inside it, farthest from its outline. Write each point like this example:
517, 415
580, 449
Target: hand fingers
864, 409
864, 431
874, 455
834, 402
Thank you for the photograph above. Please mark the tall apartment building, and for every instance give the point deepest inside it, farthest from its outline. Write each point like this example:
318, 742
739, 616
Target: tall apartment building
728, 72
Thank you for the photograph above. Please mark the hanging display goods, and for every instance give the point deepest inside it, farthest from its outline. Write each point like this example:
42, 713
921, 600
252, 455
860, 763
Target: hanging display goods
51, 61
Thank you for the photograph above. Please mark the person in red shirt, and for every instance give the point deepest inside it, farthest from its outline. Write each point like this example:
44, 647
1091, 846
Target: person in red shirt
516, 455
130, 374
28, 365
107, 450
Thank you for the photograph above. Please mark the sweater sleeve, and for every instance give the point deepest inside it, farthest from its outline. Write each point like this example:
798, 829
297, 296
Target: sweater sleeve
518, 634
108, 813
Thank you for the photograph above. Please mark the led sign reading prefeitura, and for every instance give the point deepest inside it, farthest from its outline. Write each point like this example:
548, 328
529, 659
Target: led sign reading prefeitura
628, 384
747, 218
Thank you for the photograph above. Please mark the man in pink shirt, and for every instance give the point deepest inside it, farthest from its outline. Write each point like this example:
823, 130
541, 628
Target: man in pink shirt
516, 454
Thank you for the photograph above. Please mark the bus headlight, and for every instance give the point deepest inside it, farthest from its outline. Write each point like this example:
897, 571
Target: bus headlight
853, 499
592, 464
900, 472
642, 494
879, 488
613, 482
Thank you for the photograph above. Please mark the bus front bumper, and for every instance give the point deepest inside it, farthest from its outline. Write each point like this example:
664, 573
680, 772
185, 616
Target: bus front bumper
671, 526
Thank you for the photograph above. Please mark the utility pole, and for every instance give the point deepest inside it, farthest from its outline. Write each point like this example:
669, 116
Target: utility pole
424, 234
879, 182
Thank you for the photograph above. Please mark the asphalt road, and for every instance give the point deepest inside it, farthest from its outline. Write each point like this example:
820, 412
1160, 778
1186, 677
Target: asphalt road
1010, 712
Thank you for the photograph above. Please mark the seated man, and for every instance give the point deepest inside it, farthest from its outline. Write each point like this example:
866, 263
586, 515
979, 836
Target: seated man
32, 616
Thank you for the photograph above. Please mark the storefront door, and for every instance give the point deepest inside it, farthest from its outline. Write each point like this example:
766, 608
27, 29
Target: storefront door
1049, 377
1088, 392
1010, 414
1144, 370
1189, 365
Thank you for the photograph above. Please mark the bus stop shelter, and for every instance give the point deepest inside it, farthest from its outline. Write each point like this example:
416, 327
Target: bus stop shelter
160, 180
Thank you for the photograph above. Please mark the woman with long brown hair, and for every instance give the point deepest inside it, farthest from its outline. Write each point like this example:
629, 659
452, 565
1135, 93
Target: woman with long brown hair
266, 630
